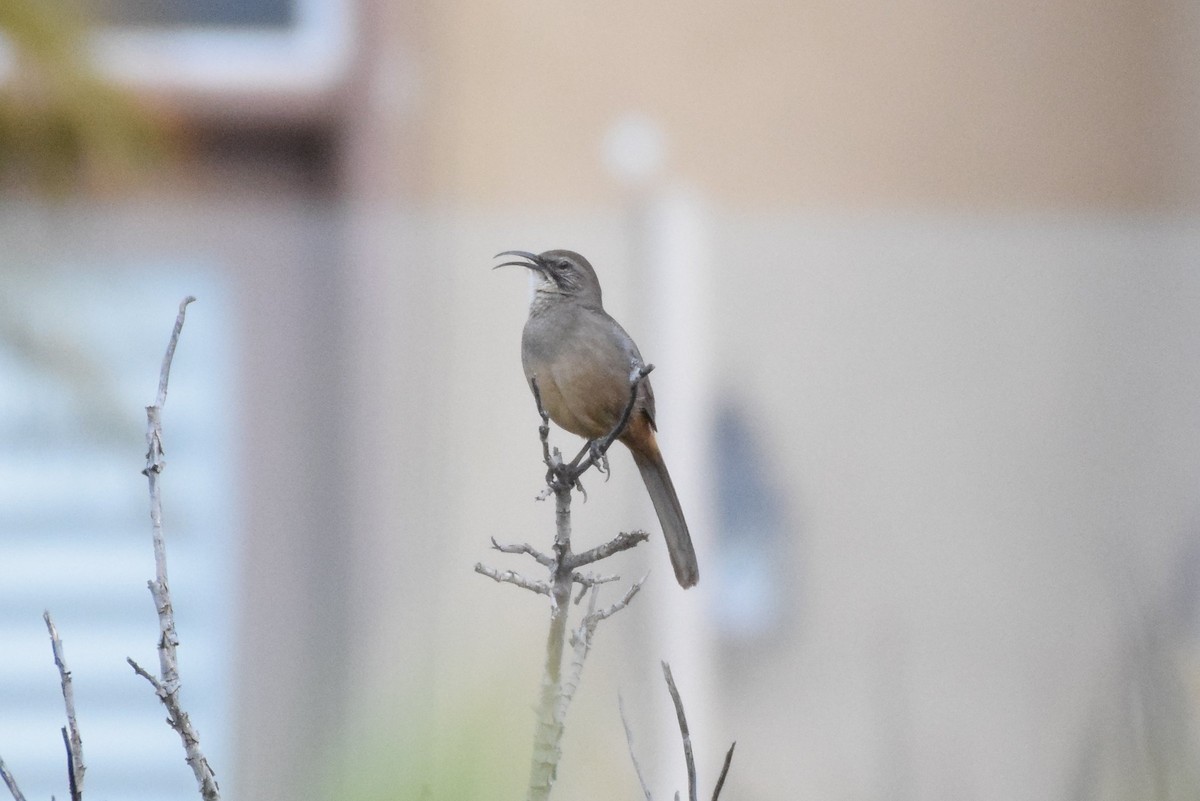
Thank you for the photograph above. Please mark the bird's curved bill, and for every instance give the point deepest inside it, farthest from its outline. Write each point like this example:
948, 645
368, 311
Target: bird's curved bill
534, 262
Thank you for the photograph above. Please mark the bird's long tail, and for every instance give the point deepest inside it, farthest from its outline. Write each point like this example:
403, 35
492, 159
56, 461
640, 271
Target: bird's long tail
670, 514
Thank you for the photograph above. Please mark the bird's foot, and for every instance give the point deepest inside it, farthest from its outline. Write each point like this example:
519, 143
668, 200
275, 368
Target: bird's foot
599, 458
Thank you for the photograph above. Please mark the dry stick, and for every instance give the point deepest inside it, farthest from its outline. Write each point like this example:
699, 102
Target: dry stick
524, 547
547, 738
581, 638
555, 695
622, 542
637, 768
72, 787
724, 771
683, 731
687, 744
74, 743
511, 577
10, 782
167, 685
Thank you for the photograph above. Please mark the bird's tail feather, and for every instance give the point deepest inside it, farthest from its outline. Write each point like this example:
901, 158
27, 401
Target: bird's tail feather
670, 515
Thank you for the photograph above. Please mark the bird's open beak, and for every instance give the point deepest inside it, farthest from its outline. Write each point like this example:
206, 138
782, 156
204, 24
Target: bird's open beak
533, 263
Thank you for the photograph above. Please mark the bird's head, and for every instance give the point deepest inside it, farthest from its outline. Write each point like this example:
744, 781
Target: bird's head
559, 274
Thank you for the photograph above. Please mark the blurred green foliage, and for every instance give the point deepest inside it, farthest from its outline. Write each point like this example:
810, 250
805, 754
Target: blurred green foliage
476, 751
61, 126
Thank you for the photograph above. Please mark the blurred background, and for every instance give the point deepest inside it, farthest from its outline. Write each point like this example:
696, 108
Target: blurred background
920, 280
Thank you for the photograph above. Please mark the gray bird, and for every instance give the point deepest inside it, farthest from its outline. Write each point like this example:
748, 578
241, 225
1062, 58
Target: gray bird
582, 359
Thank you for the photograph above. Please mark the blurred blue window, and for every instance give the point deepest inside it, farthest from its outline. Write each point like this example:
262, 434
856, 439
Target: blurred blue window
80, 351
754, 540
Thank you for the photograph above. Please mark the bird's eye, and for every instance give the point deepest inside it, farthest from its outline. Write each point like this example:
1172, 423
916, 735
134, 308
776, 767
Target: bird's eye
561, 265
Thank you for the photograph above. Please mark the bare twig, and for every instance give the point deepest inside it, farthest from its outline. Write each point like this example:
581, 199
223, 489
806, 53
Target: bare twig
632, 755
526, 548
587, 581
72, 787
509, 577
724, 772
683, 731
167, 685
74, 743
148, 676
622, 542
582, 636
687, 744
581, 644
10, 782
594, 617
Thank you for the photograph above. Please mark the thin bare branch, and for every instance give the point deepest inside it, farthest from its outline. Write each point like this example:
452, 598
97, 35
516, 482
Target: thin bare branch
524, 547
724, 772
72, 785
683, 731
167, 685
148, 676
591, 580
509, 577
594, 617
581, 644
632, 755
622, 542
587, 581
75, 764
165, 373
10, 782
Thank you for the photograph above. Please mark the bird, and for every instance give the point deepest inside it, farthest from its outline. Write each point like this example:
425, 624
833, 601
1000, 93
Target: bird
581, 359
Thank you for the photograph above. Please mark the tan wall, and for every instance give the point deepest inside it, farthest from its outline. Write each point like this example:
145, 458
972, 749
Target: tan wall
989, 105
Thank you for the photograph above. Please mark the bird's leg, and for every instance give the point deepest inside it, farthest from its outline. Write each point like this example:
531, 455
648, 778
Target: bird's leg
597, 449
594, 450
597, 456
544, 428
587, 447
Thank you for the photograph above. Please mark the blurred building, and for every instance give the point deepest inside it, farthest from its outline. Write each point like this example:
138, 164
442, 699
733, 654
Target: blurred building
920, 283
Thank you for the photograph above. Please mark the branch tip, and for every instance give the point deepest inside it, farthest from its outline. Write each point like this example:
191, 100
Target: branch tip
688, 757
724, 772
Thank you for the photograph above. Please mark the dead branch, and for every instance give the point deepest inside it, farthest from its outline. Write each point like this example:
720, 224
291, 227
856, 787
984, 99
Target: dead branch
683, 731
167, 684
724, 771
10, 782
510, 577
622, 542
637, 768
677, 700
525, 548
72, 740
